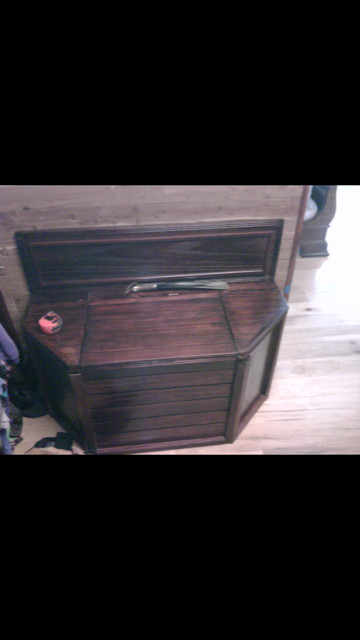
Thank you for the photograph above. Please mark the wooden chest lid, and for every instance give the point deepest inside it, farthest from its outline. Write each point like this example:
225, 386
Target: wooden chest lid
156, 326
73, 258
112, 329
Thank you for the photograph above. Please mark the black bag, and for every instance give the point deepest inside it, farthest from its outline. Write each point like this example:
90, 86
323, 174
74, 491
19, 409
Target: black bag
21, 393
60, 441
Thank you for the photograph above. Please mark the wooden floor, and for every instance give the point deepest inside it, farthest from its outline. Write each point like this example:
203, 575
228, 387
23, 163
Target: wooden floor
314, 404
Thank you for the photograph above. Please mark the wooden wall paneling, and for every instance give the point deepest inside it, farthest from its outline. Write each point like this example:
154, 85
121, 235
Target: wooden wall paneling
296, 239
35, 198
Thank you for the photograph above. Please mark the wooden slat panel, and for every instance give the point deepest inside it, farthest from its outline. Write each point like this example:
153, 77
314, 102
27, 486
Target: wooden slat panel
160, 422
154, 410
167, 353
151, 369
107, 400
160, 435
175, 338
167, 381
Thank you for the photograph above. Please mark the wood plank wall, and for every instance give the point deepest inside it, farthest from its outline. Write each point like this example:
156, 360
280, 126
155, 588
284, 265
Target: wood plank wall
52, 207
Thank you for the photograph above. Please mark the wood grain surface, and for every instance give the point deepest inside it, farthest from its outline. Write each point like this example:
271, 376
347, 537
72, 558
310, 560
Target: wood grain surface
314, 405
157, 327
76, 206
128, 332
93, 257
66, 344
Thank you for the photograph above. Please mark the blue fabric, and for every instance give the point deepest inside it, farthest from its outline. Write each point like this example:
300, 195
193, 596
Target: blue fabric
6, 446
8, 348
8, 352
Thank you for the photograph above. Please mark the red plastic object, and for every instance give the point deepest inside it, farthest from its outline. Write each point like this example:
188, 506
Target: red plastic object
50, 323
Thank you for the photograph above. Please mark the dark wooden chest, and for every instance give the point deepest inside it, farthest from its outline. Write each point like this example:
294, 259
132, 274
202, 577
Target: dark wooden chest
157, 369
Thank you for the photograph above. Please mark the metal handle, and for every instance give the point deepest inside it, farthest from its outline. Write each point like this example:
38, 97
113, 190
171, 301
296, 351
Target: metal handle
195, 284
135, 286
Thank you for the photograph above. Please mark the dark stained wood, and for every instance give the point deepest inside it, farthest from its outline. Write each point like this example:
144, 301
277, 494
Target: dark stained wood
253, 386
236, 404
150, 369
106, 400
296, 241
88, 440
158, 445
155, 370
158, 382
253, 378
62, 258
67, 343
44, 207
157, 326
140, 437
249, 308
58, 388
162, 422
273, 352
131, 412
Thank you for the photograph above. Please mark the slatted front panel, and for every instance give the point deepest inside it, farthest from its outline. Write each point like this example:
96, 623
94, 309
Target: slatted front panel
175, 402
